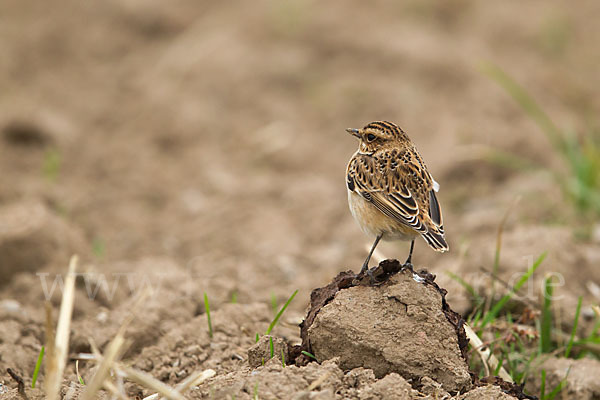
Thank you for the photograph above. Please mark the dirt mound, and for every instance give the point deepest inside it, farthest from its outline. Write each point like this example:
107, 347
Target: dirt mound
396, 326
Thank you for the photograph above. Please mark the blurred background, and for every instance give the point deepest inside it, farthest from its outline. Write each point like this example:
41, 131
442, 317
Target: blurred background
211, 135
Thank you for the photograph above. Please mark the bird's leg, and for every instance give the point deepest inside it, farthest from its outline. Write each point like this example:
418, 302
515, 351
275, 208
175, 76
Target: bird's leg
408, 262
365, 266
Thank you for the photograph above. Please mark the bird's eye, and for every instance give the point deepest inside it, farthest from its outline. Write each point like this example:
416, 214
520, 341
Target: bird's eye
370, 137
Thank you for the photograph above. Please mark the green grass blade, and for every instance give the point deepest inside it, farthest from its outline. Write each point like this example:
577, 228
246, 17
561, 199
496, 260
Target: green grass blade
207, 308
526, 369
271, 347
556, 390
543, 385
546, 321
476, 318
574, 330
307, 354
38, 365
79, 377
276, 319
491, 315
500, 363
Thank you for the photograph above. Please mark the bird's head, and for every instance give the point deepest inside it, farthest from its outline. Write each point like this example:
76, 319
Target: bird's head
376, 135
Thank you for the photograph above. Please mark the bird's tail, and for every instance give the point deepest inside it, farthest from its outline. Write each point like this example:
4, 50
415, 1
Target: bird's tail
436, 240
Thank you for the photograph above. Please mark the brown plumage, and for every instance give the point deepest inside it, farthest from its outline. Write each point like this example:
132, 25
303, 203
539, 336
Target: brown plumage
390, 192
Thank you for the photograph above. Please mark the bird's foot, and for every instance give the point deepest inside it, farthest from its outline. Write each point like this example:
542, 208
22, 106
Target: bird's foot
371, 276
364, 269
408, 265
368, 272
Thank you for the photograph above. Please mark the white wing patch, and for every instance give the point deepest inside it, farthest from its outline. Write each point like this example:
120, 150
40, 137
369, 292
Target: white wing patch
436, 186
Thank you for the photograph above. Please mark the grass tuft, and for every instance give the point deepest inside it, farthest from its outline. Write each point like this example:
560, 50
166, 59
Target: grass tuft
493, 313
515, 345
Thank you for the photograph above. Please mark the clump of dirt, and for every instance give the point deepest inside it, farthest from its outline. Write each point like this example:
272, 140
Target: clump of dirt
488, 392
396, 326
508, 388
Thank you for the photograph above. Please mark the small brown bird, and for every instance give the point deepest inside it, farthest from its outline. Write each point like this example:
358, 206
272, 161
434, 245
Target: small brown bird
390, 192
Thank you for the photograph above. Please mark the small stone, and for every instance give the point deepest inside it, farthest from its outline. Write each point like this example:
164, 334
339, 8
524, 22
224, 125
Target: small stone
10, 305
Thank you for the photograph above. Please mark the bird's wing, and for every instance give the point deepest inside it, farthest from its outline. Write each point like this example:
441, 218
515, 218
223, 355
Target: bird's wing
401, 188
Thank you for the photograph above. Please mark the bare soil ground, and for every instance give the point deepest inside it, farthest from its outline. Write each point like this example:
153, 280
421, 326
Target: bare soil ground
199, 147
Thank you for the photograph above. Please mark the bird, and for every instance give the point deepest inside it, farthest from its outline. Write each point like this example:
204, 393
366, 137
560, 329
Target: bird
391, 194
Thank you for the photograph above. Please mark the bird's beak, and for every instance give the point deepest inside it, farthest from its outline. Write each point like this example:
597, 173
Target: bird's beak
353, 132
